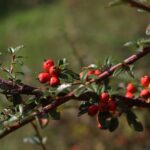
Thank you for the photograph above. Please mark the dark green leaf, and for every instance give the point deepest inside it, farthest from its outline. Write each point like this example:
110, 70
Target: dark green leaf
113, 124
102, 118
18, 48
115, 3
95, 88
132, 121
84, 75
79, 91
11, 50
54, 114
82, 112
31, 140
117, 72
73, 74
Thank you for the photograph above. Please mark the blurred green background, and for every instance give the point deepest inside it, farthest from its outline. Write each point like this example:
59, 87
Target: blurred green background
74, 29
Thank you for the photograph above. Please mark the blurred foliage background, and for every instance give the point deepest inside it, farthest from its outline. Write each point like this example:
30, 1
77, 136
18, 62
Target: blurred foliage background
77, 30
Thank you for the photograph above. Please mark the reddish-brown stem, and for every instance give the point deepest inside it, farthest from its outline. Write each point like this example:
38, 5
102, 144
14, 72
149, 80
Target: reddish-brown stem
139, 5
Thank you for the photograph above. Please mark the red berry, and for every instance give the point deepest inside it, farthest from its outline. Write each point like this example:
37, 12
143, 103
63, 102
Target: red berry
130, 88
99, 126
103, 106
44, 77
129, 95
92, 110
97, 72
47, 64
104, 97
145, 81
53, 71
90, 72
144, 93
112, 105
54, 81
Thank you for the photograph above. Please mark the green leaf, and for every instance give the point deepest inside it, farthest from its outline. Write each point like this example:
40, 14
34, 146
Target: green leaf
84, 75
63, 87
95, 88
20, 73
133, 123
11, 50
102, 119
32, 140
20, 109
18, 48
108, 62
129, 70
54, 114
80, 90
130, 43
71, 73
113, 124
117, 72
93, 66
115, 3
62, 63
82, 112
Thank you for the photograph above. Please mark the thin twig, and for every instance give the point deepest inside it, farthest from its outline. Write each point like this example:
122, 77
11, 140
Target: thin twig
38, 135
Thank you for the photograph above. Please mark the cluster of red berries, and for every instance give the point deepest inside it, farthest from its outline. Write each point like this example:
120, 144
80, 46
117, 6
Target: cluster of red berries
96, 72
106, 104
50, 74
144, 93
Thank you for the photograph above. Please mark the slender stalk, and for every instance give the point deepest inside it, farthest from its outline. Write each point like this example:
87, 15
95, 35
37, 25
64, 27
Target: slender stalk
38, 135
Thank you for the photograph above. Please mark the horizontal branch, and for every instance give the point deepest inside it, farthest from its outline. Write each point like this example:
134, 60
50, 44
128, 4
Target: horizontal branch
130, 60
61, 100
139, 5
10, 87
132, 102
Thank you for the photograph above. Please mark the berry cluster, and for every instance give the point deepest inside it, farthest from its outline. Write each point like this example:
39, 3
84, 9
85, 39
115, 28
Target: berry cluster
105, 104
50, 74
144, 92
145, 82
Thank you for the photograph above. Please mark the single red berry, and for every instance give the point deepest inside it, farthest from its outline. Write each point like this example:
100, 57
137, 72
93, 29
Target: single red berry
129, 95
90, 72
92, 110
112, 105
130, 88
54, 81
104, 96
44, 77
97, 72
144, 93
145, 81
99, 126
53, 71
81, 74
47, 64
